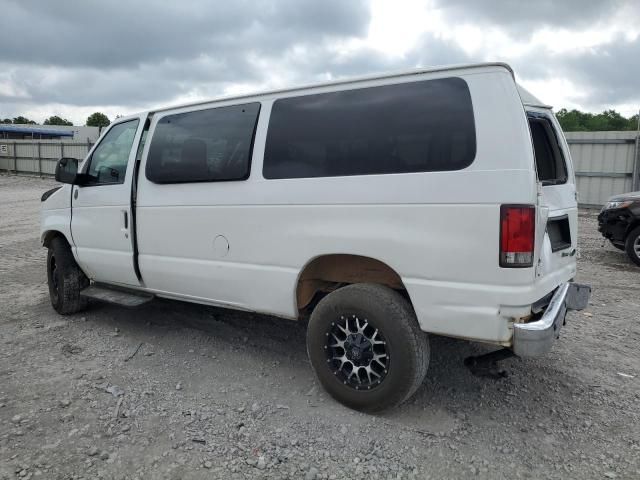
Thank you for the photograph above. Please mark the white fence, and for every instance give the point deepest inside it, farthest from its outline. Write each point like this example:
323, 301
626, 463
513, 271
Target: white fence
38, 156
606, 163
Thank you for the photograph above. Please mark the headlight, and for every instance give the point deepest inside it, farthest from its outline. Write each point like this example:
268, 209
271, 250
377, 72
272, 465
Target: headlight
618, 204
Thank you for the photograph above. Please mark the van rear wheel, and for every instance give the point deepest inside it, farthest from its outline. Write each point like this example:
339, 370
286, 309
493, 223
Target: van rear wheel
632, 245
366, 347
65, 278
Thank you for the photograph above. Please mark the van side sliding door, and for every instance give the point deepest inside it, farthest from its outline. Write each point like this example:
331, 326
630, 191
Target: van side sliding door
191, 207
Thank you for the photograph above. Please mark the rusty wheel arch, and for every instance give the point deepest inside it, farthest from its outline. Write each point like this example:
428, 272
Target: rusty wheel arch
329, 272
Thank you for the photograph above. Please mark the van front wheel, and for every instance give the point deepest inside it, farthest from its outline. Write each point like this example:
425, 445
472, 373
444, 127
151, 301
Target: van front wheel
65, 278
366, 347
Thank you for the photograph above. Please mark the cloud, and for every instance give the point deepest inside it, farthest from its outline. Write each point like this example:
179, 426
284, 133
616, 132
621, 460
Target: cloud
325, 61
126, 56
134, 86
124, 62
609, 72
137, 54
588, 48
117, 34
600, 77
527, 16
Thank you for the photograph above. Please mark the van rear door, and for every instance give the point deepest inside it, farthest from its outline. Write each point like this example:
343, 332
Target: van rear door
557, 224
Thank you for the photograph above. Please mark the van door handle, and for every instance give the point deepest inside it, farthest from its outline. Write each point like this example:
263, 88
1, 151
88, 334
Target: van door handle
125, 228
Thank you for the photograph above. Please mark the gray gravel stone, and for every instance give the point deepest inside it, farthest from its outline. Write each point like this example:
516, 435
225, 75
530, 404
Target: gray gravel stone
456, 426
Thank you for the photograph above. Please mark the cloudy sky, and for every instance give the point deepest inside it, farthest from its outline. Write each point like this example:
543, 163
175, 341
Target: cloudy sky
71, 58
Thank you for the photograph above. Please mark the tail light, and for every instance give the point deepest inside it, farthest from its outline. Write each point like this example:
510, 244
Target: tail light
517, 235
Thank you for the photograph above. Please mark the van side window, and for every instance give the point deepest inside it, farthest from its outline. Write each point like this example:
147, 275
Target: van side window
550, 162
203, 146
409, 127
108, 163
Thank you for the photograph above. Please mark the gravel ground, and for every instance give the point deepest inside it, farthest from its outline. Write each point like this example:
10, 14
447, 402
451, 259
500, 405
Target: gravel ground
182, 391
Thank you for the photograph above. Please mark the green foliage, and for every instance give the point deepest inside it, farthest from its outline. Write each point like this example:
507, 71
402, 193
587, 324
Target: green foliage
577, 121
56, 120
23, 120
6, 120
98, 119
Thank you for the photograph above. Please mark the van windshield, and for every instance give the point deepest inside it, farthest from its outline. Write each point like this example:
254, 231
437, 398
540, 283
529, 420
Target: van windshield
550, 162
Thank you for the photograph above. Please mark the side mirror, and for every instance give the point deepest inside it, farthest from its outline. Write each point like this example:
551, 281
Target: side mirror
67, 170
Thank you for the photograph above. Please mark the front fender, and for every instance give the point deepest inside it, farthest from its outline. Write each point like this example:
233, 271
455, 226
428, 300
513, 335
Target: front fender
55, 215
52, 225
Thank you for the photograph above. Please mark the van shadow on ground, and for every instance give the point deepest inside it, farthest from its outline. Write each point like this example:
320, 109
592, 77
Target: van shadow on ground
450, 394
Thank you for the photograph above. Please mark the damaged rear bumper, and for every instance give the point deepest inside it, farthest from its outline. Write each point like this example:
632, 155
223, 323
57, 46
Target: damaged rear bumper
536, 338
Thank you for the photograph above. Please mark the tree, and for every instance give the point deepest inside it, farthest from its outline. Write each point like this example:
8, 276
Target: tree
615, 121
56, 120
23, 120
577, 121
98, 119
6, 120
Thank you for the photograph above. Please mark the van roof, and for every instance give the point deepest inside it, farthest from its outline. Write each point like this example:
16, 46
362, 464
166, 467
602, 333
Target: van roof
442, 68
529, 100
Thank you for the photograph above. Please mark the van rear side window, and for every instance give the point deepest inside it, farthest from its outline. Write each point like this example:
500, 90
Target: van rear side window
409, 127
203, 146
550, 163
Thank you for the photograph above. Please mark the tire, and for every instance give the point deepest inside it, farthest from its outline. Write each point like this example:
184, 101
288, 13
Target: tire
383, 318
632, 245
65, 279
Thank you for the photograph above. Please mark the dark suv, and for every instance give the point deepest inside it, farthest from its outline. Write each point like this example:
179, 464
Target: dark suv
619, 221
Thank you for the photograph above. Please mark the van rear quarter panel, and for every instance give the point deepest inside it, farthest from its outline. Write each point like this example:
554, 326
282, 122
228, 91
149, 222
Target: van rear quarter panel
438, 230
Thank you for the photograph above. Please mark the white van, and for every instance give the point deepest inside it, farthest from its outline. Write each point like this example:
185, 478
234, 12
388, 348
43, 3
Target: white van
381, 208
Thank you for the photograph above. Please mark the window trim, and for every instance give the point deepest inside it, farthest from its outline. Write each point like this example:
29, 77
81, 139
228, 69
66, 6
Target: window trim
245, 177
90, 159
472, 159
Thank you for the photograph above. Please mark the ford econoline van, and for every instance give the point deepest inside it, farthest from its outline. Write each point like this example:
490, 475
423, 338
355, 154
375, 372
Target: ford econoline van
382, 209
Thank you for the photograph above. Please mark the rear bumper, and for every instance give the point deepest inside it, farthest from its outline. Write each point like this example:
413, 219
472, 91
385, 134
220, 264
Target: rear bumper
536, 338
